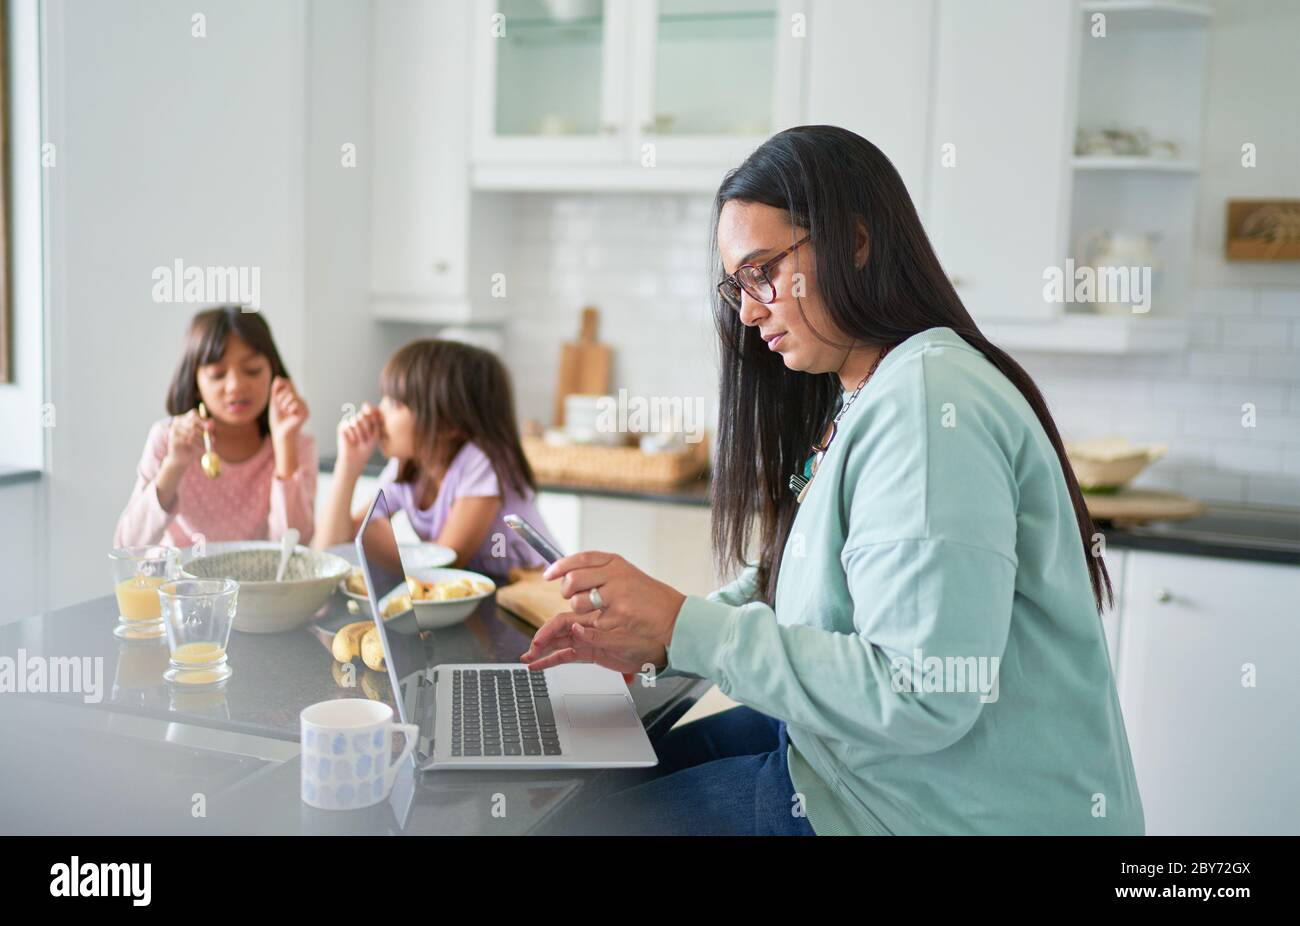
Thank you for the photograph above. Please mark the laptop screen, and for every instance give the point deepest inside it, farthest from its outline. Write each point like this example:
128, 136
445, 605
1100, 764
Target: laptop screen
406, 654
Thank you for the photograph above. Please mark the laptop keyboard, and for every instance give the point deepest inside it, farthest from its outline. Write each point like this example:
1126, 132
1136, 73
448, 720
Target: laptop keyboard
502, 712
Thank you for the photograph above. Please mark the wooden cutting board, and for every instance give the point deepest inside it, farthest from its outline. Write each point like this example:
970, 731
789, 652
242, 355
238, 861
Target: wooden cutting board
1138, 506
584, 365
531, 598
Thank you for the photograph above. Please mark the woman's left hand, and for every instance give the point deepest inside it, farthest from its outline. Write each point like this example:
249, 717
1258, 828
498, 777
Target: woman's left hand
631, 630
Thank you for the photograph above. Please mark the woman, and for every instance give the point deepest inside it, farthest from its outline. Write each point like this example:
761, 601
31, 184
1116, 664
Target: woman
918, 647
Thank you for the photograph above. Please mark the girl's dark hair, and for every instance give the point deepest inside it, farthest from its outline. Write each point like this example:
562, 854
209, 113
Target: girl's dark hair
206, 343
828, 180
458, 393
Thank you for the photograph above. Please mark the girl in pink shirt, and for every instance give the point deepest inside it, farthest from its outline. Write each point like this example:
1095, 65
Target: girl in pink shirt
447, 424
267, 482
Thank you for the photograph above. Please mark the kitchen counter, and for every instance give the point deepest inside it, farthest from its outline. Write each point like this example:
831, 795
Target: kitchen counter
133, 762
1263, 535
11, 475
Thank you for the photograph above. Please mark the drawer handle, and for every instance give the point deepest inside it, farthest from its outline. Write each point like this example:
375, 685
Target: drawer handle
1163, 595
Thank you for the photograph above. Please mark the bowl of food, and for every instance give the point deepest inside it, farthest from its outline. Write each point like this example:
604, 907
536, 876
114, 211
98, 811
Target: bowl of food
265, 605
440, 597
1107, 464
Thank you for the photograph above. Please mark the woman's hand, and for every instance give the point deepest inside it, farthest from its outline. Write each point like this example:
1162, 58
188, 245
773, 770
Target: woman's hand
630, 630
358, 435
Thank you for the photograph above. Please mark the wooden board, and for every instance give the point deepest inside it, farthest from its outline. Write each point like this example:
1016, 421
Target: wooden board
530, 598
1138, 506
584, 365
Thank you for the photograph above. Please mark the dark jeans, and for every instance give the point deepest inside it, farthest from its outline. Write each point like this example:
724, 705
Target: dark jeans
723, 775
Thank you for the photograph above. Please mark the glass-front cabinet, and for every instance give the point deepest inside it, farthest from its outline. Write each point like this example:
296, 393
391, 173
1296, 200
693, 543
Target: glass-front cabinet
713, 78
634, 82
550, 80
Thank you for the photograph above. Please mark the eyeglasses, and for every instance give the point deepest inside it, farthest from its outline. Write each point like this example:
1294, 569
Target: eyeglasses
754, 280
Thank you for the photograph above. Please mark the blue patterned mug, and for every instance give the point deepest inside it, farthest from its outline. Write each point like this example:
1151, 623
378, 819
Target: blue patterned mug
347, 747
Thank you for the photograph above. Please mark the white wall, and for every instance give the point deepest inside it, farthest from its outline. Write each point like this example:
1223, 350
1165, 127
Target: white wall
1251, 97
169, 146
22, 435
345, 349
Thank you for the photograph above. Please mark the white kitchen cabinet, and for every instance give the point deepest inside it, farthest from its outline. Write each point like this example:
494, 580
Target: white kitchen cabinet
869, 72
1213, 756
1111, 618
667, 541
421, 230
712, 79
1001, 125
622, 95
550, 80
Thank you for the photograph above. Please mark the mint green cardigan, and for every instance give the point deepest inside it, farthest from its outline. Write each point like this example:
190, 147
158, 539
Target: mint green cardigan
935, 553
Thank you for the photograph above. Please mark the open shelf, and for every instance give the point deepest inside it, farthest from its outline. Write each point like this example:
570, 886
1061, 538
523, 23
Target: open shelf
1148, 14
1108, 162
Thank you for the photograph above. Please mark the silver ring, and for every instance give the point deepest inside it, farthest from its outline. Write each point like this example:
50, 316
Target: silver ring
596, 601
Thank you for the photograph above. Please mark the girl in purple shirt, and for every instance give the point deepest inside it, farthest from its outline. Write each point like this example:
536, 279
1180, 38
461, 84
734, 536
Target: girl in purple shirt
447, 424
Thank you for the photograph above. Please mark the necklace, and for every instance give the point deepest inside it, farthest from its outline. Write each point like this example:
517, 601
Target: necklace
800, 482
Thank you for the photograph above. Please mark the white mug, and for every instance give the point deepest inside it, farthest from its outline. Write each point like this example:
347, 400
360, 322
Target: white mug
347, 744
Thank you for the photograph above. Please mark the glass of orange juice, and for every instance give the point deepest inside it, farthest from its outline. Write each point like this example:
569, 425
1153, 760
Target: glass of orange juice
198, 615
137, 573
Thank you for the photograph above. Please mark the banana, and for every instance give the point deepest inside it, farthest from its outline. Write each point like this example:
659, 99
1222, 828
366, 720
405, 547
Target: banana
374, 686
372, 651
347, 640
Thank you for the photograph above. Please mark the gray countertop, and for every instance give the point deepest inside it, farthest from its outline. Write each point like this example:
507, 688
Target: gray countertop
133, 763
10, 475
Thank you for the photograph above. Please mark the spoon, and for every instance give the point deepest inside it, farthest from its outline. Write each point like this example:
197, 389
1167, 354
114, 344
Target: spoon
286, 551
210, 462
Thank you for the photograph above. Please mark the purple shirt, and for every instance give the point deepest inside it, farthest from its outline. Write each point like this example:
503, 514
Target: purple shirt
470, 474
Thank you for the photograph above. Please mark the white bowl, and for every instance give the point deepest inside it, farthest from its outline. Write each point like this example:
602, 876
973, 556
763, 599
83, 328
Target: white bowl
267, 606
431, 615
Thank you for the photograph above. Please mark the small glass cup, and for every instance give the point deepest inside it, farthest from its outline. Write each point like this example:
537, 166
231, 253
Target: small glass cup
137, 574
198, 615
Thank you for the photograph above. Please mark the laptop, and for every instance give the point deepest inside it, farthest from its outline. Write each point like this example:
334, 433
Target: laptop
495, 715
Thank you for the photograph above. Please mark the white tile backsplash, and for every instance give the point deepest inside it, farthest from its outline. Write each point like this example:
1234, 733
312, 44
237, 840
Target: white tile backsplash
642, 260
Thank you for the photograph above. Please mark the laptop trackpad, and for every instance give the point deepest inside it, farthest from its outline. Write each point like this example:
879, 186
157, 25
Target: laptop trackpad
599, 711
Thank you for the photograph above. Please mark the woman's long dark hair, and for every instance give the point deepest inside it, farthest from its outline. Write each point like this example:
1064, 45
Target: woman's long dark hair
457, 393
828, 180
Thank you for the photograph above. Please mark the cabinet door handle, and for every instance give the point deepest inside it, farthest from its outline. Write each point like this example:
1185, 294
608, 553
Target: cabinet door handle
440, 266
1163, 595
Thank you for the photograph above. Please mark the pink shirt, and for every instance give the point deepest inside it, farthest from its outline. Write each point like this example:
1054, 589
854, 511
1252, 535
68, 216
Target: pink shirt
470, 474
246, 502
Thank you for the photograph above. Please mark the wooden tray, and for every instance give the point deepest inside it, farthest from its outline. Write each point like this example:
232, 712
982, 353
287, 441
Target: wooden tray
1138, 506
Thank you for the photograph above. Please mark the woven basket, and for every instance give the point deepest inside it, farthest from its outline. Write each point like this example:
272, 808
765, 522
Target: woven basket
615, 467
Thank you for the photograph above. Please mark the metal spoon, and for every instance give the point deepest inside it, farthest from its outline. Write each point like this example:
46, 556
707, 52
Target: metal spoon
287, 545
210, 462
